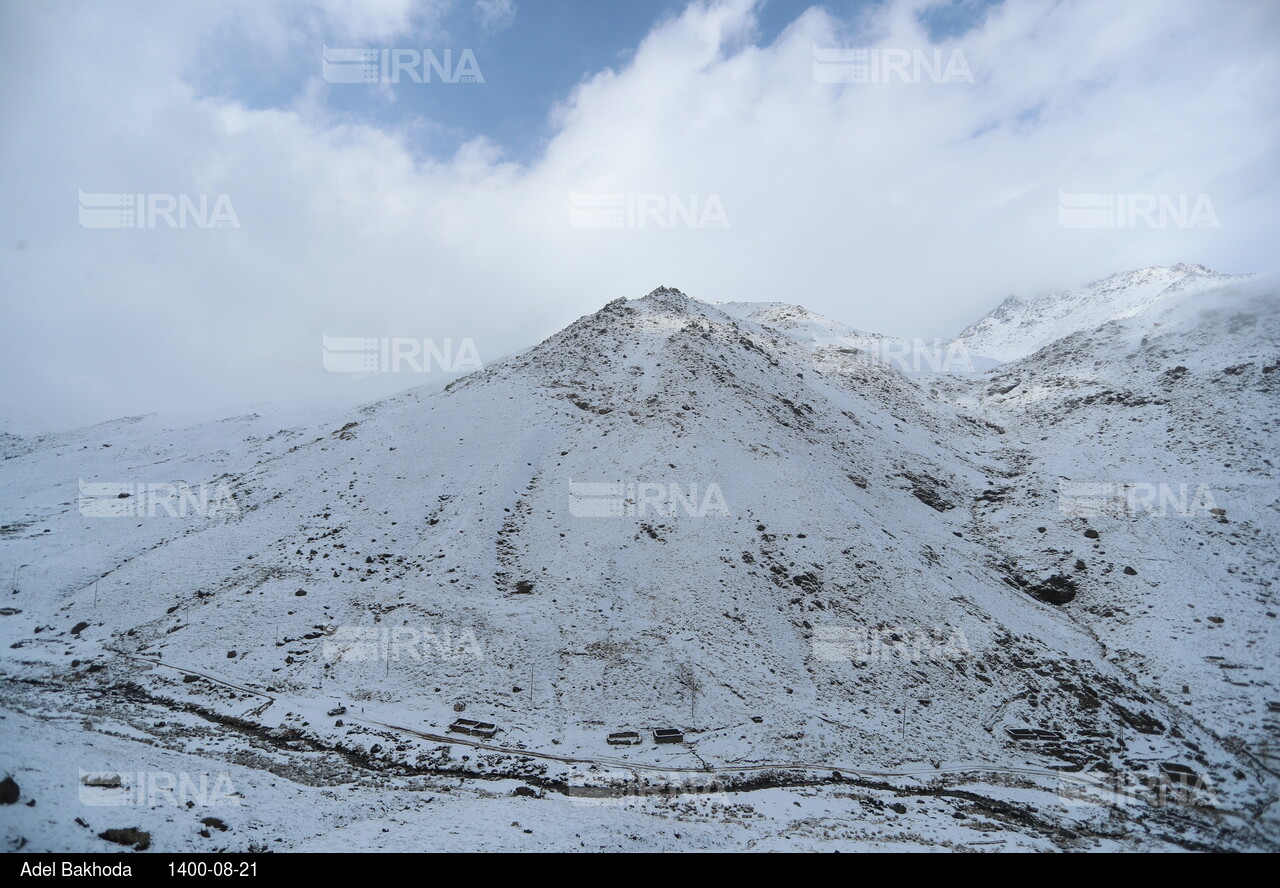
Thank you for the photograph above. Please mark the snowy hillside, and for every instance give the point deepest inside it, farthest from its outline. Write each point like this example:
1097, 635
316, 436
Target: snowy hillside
1163, 428
913, 357
1018, 327
853, 590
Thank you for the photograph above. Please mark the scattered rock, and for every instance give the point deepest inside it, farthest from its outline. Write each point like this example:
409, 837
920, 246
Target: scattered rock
140, 840
1058, 589
9, 791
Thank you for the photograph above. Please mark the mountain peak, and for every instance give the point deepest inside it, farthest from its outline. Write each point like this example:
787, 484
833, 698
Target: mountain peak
669, 300
1194, 268
1018, 327
662, 290
1152, 273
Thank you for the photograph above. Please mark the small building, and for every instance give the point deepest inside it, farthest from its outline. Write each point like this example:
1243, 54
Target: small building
484, 729
624, 738
473, 728
667, 735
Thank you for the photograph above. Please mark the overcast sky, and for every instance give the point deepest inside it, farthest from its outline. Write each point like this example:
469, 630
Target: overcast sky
472, 210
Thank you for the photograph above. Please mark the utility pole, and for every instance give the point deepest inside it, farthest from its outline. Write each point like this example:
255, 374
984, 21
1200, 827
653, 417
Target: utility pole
904, 716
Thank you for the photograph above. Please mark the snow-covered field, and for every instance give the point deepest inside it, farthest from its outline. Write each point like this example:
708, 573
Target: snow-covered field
850, 588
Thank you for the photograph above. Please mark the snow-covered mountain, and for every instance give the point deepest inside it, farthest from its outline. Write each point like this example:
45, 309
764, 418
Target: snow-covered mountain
850, 589
799, 323
1159, 430
913, 357
1018, 327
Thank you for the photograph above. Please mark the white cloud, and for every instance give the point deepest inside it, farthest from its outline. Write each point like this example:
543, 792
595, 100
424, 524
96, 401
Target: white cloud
376, 19
907, 208
496, 14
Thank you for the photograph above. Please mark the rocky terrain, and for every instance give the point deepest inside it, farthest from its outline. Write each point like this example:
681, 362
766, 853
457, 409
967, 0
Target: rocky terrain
1028, 605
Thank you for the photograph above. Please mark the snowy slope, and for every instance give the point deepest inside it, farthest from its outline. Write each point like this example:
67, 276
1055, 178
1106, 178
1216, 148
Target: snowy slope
1017, 327
913, 357
1164, 428
776, 506
799, 323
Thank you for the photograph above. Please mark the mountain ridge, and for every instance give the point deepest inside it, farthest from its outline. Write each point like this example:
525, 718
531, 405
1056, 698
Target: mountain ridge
891, 579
